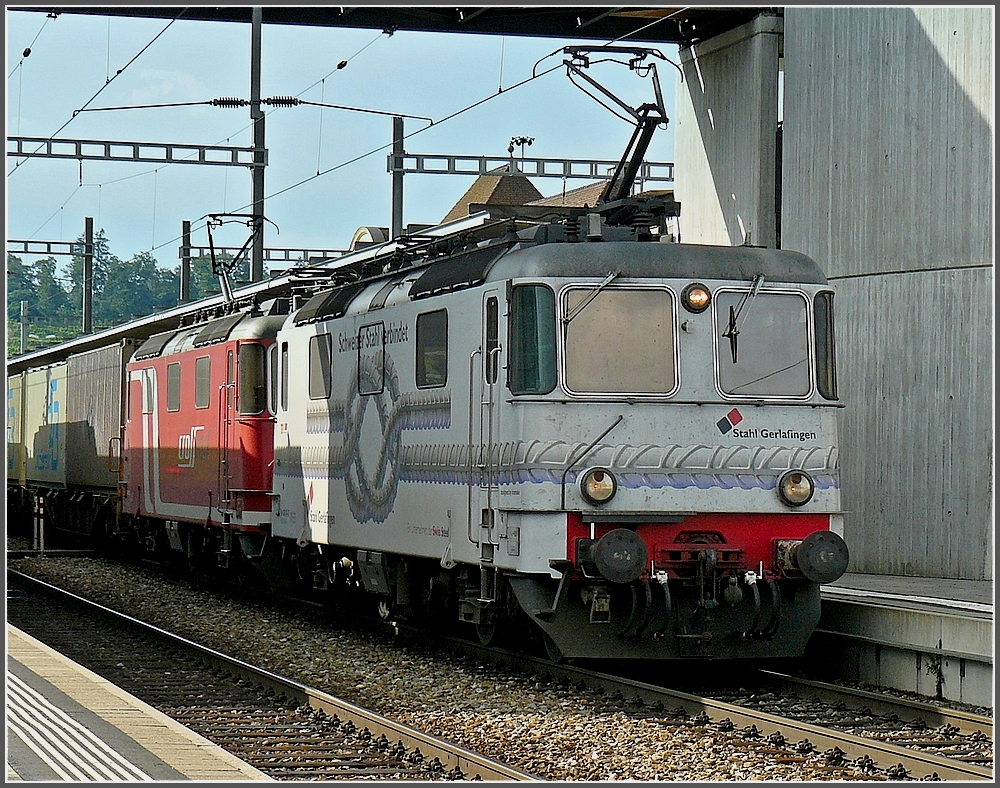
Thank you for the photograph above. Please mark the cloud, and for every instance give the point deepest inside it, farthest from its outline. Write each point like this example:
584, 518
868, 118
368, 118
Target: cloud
159, 86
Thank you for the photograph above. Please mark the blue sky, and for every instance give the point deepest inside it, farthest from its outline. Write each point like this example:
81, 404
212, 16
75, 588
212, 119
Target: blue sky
141, 206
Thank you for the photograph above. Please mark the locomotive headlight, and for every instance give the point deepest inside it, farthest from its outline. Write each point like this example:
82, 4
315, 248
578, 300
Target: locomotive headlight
696, 297
598, 485
795, 488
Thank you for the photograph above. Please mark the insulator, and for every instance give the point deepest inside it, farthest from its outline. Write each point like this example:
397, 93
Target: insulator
229, 102
282, 101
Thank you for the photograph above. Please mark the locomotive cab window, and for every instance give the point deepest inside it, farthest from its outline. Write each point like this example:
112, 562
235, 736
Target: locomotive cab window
272, 378
619, 341
252, 391
432, 349
532, 340
826, 357
202, 382
320, 370
174, 387
762, 343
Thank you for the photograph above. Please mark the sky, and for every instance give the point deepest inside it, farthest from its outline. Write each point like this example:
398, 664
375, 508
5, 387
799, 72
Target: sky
75, 60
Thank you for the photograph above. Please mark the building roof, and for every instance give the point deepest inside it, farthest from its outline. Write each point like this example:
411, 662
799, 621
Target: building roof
580, 197
498, 187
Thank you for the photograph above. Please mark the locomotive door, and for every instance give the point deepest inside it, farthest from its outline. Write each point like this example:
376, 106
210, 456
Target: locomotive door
227, 406
484, 430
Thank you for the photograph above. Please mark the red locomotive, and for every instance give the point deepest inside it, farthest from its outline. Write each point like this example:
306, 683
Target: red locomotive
199, 433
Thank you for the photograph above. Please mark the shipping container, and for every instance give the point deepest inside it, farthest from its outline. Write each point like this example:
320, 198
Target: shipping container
95, 402
15, 429
45, 422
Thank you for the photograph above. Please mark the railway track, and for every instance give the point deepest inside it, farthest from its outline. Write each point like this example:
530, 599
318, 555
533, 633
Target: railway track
287, 730
880, 734
831, 732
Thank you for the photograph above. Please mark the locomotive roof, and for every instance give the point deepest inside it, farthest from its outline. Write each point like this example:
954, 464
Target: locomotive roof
637, 259
492, 263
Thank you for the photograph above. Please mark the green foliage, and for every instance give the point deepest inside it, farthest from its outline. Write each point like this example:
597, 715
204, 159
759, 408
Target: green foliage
122, 291
40, 335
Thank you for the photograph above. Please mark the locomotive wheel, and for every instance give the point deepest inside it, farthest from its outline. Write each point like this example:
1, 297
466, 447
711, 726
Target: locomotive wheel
494, 627
488, 628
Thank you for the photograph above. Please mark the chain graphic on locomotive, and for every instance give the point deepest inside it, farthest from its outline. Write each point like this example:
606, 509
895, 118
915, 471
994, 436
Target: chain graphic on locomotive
553, 416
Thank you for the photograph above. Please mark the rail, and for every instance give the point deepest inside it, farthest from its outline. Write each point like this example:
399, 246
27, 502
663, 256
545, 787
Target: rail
471, 764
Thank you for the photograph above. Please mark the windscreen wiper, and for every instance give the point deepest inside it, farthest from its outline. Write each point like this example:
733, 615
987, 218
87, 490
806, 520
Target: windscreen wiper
591, 296
733, 329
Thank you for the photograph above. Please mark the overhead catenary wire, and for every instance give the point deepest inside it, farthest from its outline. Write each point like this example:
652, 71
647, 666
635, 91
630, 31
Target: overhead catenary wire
56, 211
285, 101
102, 88
340, 66
319, 136
381, 148
27, 49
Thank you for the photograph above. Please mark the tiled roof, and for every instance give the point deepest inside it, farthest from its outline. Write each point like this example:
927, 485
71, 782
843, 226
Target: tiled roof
500, 188
582, 196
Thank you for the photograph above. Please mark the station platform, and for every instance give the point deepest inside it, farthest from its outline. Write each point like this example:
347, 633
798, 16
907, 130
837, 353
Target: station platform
66, 723
931, 636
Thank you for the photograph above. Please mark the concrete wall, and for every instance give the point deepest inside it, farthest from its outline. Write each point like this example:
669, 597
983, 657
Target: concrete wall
726, 114
888, 184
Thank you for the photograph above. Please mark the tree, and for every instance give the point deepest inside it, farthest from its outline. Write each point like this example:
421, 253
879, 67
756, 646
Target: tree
52, 303
205, 283
102, 266
20, 286
135, 288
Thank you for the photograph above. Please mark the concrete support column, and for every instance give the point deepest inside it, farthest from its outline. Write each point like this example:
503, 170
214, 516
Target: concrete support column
726, 122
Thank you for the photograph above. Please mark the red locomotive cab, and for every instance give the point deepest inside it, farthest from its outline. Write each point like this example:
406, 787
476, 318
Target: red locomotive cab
199, 433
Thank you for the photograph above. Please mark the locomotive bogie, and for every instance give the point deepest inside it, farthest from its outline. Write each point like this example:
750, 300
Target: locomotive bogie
653, 620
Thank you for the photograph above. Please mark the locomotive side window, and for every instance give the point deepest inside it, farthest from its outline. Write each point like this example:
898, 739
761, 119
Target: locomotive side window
826, 357
492, 339
620, 341
284, 376
532, 360
320, 373
432, 349
251, 396
371, 358
202, 382
770, 345
174, 387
